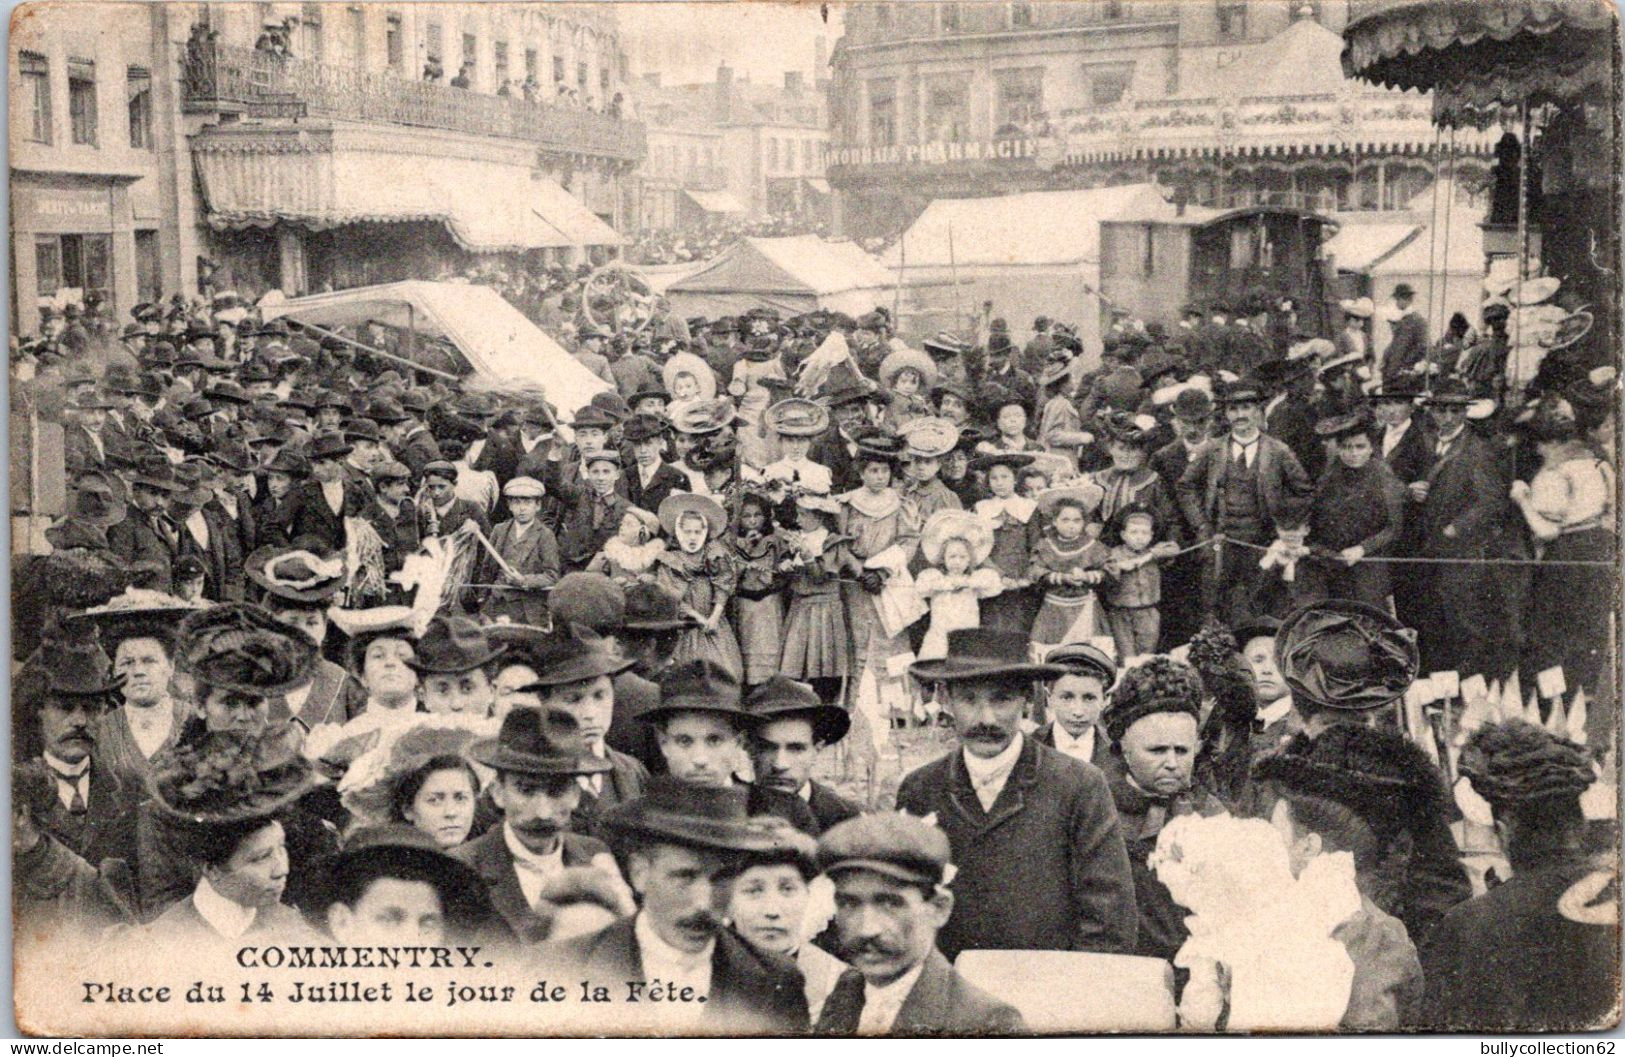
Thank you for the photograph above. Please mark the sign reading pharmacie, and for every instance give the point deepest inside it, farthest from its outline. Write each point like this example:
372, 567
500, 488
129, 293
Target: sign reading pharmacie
1002, 150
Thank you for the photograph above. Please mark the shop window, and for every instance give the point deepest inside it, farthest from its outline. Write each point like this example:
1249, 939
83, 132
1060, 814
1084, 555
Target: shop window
433, 42
558, 69
471, 52
499, 62
1021, 100
149, 285
394, 45
74, 262
310, 32
947, 110
357, 20
139, 85
1021, 16
1108, 88
36, 75
1232, 20
82, 100
882, 113
532, 61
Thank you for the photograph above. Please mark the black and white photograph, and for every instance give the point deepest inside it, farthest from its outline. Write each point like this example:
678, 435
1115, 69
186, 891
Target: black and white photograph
736, 518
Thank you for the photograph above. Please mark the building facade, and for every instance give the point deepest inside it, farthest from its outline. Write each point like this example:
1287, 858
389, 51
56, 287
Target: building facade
1220, 101
308, 146
730, 147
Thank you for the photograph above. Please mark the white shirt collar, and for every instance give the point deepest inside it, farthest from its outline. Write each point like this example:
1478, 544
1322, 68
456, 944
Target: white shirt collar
987, 776
1081, 747
663, 961
1275, 710
805, 792
532, 870
65, 769
229, 919
882, 1002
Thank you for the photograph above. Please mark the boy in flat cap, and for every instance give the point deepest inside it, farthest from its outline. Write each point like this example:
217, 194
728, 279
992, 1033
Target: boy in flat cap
1076, 698
529, 549
892, 898
1020, 816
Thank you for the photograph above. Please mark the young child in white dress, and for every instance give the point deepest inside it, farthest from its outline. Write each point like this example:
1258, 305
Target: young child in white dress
956, 543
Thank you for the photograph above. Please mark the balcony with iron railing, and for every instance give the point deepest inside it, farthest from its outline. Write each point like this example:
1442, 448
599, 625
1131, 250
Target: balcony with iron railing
220, 77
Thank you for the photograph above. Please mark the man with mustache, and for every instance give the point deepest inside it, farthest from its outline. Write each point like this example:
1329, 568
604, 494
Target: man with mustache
684, 845
538, 756
891, 875
790, 725
1034, 833
90, 814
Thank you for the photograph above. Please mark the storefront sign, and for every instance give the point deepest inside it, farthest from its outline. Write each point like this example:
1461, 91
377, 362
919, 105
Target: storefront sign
936, 153
61, 209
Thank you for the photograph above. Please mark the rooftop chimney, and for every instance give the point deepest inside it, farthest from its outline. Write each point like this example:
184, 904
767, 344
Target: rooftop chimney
793, 82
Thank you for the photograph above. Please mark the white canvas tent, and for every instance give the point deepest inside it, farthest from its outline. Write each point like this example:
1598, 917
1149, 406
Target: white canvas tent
1030, 254
793, 275
498, 344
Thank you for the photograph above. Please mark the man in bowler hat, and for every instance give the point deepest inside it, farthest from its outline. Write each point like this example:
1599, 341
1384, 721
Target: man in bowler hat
789, 725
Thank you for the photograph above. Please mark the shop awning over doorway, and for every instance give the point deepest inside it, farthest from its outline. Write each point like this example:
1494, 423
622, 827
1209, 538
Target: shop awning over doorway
487, 207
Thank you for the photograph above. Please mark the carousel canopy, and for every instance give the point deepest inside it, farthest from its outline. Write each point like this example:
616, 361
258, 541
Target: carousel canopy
1480, 56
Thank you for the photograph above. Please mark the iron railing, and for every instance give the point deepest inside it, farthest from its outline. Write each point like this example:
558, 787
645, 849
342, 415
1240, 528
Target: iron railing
217, 76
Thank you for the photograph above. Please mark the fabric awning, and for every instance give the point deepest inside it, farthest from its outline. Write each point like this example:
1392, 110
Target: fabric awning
818, 184
1356, 247
1478, 56
715, 201
486, 207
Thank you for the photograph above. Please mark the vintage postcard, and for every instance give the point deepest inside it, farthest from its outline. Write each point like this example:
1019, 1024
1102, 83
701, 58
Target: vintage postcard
840, 519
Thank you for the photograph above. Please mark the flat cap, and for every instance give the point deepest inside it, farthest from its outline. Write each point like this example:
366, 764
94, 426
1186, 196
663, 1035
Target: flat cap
524, 488
889, 843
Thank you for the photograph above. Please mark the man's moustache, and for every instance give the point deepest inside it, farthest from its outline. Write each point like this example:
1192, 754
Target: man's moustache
700, 920
985, 731
870, 946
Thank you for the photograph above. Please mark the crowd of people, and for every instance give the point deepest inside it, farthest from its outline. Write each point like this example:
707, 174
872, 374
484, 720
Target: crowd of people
703, 242
1171, 596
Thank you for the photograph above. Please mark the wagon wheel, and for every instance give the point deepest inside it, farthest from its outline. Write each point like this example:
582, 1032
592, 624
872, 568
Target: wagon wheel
617, 299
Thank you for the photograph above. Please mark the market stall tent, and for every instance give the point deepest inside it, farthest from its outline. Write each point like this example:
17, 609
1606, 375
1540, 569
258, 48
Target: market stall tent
495, 342
1034, 254
792, 275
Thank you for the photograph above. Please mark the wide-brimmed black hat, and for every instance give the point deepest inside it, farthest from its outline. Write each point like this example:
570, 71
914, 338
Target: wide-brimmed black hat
328, 446
453, 644
573, 655
136, 614
781, 697
76, 674
1346, 655
540, 741
696, 686
593, 417
984, 653
242, 647
1449, 391
1399, 387
376, 851
640, 428
671, 811
294, 575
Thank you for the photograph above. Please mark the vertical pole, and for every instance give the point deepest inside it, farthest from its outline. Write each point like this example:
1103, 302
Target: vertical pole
1523, 244
953, 274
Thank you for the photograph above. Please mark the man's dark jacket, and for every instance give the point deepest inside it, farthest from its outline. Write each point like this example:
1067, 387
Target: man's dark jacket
1044, 870
941, 1003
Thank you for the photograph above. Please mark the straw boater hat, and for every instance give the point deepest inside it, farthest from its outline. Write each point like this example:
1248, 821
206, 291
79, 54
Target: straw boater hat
796, 417
690, 364
945, 525
1346, 655
781, 697
1086, 493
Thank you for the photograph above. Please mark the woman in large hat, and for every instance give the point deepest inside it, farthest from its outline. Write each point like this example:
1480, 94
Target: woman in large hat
700, 571
221, 800
418, 775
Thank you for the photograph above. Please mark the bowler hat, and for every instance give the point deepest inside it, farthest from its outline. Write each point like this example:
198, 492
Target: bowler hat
1193, 405
984, 653
893, 844
672, 811
453, 644
651, 609
696, 686
362, 429
386, 412
328, 446
781, 697
540, 742
593, 417
1346, 655
591, 600
640, 428
573, 654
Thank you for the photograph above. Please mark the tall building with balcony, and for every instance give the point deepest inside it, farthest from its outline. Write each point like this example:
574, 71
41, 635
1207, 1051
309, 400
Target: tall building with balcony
1220, 101
337, 145
730, 147
93, 160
